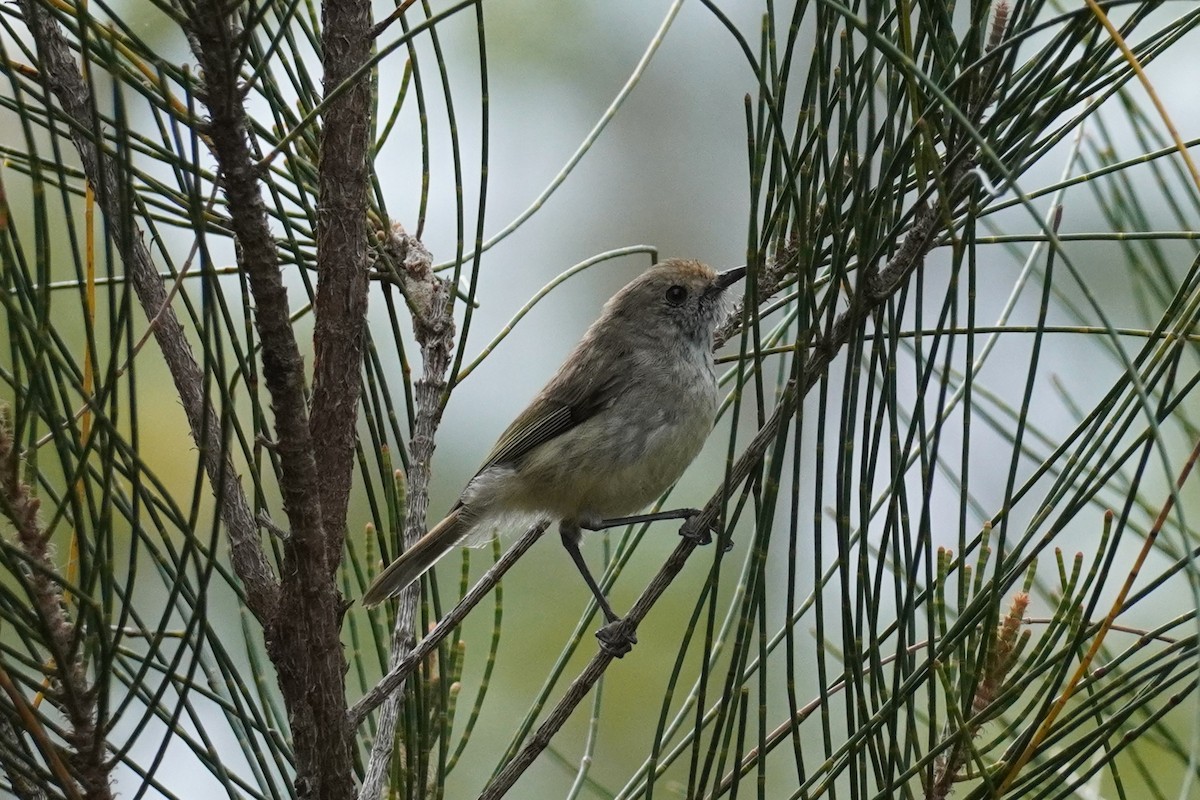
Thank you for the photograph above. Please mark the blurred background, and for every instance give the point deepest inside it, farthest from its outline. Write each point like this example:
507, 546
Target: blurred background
669, 172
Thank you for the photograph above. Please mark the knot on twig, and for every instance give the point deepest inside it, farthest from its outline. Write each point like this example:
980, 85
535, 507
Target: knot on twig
406, 262
20, 505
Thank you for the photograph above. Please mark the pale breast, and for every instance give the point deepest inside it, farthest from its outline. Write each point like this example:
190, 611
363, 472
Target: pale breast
620, 460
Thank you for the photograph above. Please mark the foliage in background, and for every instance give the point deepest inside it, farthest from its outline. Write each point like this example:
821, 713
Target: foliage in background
902, 612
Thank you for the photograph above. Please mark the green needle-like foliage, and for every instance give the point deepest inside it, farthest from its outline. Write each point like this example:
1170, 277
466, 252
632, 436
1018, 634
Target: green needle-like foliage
955, 553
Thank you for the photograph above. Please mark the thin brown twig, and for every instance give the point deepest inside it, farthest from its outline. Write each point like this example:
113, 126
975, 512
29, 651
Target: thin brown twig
387, 21
433, 325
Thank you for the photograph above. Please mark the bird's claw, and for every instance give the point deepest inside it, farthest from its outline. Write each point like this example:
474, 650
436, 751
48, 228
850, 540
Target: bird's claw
691, 529
616, 638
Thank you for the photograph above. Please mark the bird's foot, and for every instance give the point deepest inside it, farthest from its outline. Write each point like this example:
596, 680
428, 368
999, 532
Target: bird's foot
700, 534
616, 638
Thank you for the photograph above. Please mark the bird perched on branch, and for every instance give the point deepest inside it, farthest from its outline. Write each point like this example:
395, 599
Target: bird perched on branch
617, 425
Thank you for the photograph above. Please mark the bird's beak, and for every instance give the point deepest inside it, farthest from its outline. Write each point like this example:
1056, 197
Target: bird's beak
729, 277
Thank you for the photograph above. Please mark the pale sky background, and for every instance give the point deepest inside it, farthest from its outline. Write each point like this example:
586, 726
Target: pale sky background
670, 171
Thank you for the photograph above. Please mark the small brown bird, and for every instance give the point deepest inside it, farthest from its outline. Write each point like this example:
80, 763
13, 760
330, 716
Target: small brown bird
617, 425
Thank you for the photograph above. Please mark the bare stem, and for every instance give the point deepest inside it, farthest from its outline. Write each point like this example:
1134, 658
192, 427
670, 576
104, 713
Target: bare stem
303, 636
429, 299
342, 268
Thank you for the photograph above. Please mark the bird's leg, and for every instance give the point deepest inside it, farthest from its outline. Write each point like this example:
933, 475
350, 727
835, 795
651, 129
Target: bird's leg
688, 530
619, 522
570, 540
614, 638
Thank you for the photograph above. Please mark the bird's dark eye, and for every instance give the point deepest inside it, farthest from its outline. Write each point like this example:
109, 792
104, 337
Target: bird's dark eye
676, 295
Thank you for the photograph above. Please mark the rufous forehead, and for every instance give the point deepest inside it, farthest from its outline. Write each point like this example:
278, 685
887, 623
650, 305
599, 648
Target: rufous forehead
687, 270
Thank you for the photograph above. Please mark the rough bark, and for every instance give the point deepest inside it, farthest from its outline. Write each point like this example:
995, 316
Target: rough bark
342, 267
433, 325
303, 636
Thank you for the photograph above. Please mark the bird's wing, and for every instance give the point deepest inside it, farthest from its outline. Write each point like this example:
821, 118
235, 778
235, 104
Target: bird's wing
556, 410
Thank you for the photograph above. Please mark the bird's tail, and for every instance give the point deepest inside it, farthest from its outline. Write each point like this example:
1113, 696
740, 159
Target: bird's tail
416, 560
